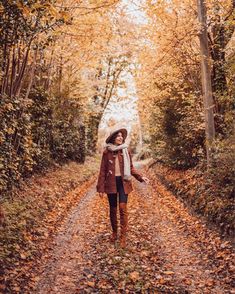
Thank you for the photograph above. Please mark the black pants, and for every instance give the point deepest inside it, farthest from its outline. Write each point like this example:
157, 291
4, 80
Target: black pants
120, 190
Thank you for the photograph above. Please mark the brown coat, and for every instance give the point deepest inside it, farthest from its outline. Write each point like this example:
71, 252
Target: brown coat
106, 180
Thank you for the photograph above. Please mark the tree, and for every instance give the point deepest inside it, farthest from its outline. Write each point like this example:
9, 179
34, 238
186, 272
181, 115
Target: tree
206, 80
108, 80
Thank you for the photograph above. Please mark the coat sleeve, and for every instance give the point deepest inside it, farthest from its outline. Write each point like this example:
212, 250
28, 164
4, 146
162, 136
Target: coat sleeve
102, 174
134, 172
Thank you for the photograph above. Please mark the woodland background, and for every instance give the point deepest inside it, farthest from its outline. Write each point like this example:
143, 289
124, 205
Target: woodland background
62, 63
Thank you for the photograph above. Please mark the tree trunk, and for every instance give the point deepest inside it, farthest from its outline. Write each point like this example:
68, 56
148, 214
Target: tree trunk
92, 133
206, 81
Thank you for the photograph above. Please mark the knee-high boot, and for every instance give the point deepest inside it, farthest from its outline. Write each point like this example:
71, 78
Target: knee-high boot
113, 220
123, 223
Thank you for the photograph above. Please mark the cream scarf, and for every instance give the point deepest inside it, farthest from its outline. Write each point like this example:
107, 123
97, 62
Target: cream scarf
126, 157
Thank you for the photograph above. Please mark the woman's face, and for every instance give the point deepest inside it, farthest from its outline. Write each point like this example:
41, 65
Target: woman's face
119, 139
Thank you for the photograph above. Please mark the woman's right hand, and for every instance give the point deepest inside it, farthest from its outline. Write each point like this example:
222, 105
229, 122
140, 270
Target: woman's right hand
101, 195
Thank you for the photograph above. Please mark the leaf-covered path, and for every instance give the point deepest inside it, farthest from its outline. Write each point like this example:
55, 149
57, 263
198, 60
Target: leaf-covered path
168, 251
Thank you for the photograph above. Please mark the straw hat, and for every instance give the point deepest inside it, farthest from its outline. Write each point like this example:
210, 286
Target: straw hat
115, 131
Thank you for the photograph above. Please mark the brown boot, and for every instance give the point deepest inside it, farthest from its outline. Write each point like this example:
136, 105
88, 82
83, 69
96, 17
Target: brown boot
113, 220
123, 223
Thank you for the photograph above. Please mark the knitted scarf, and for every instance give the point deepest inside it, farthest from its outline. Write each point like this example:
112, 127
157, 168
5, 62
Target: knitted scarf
126, 157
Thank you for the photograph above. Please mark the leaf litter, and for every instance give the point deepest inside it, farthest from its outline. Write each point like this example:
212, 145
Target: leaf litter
168, 249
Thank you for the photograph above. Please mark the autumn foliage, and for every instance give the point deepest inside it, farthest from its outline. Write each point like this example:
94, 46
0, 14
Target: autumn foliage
63, 67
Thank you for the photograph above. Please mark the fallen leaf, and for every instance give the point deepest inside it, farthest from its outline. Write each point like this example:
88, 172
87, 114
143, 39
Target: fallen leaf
91, 284
168, 273
134, 276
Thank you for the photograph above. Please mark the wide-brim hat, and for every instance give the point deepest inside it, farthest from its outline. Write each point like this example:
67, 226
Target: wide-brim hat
114, 132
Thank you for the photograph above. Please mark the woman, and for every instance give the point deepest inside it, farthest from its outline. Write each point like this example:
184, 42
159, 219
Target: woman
115, 179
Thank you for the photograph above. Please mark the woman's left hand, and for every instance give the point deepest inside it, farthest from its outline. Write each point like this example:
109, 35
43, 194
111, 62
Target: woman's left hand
146, 180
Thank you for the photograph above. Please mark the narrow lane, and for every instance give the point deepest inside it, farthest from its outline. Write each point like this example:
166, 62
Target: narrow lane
169, 251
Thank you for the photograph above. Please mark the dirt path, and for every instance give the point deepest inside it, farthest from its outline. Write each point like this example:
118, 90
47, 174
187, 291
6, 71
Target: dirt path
169, 251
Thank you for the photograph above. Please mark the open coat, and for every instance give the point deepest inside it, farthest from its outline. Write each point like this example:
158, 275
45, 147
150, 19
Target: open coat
106, 180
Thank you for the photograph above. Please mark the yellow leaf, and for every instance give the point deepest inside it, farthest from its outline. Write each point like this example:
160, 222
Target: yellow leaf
134, 276
91, 284
23, 256
168, 273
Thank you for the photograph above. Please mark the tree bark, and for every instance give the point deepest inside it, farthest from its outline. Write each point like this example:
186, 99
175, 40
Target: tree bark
206, 81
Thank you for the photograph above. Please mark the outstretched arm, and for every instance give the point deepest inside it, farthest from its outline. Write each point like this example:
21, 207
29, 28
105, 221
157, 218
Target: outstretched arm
134, 172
